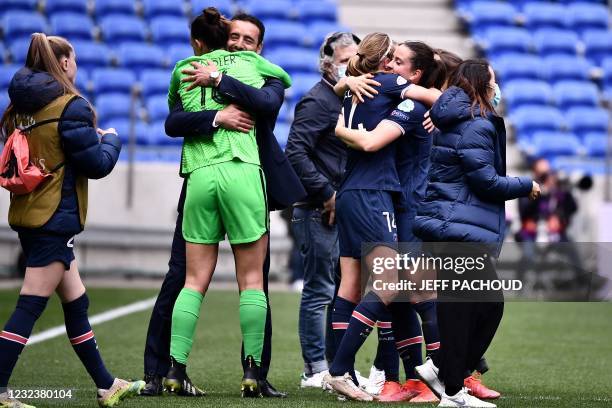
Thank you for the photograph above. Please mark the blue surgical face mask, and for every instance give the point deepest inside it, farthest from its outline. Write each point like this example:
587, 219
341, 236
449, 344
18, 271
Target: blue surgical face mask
497, 97
341, 71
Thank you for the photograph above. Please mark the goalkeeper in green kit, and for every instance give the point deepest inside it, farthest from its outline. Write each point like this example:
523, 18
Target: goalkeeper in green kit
225, 195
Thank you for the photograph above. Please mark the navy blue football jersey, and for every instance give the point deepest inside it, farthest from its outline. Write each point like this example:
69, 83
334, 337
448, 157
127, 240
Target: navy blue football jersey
413, 151
374, 170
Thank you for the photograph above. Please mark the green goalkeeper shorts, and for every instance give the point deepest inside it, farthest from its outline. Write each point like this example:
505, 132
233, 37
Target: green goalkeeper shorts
225, 198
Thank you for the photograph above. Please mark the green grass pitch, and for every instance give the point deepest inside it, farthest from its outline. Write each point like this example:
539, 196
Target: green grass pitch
544, 355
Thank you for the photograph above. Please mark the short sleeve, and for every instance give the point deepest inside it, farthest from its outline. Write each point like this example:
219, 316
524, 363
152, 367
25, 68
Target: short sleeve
394, 85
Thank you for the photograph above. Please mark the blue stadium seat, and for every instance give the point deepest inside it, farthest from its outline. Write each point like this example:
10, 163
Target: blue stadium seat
587, 16
281, 131
295, 60
141, 55
518, 66
607, 77
122, 126
82, 82
117, 29
156, 8
530, 119
285, 114
169, 30
107, 80
596, 145
280, 33
270, 9
564, 67
319, 30
158, 134
3, 53
15, 5
483, 15
63, 6
172, 154
569, 94
90, 54
545, 15
582, 120
527, 92
579, 165
157, 108
549, 41
6, 74
154, 82
226, 7
554, 144
72, 26
179, 52
19, 50
598, 45
302, 84
21, 24
503, 40
580, 1
105, 8
309, 11
113, 106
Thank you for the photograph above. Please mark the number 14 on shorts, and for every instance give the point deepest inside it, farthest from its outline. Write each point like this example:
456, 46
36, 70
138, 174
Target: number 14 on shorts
390, 217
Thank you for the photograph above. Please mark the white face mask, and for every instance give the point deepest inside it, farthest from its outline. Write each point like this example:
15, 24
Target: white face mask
341, 71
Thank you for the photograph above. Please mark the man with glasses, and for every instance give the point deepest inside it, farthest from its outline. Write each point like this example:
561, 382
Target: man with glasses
319, 158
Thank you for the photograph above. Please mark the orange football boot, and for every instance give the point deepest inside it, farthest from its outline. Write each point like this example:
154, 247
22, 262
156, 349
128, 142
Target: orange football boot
476, 388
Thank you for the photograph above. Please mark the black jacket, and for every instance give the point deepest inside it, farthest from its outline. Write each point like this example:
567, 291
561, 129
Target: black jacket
282, 184
467, 182
316, 154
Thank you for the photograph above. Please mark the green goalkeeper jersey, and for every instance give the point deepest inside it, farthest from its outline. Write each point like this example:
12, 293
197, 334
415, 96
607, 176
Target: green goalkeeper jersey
224, 145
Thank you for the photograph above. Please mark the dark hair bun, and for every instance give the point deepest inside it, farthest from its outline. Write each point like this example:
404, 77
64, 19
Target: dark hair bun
211, 15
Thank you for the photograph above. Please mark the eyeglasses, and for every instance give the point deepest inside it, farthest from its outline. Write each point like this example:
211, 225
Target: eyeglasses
327, 48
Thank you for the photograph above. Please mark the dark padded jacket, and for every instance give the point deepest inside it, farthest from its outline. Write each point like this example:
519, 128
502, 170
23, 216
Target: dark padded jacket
86, 154
467, 182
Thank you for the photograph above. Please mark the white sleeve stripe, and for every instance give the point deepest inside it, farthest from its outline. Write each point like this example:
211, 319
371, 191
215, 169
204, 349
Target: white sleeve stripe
397, 125
403, 95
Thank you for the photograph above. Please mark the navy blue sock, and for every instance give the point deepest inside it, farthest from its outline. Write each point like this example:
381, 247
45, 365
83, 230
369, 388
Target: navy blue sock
408, 337
429, 321
341, 315
16, 333
83, 341
363, 319
387, 358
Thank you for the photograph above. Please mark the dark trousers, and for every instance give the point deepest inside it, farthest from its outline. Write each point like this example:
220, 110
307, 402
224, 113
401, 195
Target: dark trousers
157, 347
466, 331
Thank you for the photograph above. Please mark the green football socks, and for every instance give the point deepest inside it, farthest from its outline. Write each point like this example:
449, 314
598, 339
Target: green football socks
253, 311
184, 320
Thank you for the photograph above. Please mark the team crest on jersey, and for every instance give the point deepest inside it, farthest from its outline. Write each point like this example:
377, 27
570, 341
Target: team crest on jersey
406, 106
401, 80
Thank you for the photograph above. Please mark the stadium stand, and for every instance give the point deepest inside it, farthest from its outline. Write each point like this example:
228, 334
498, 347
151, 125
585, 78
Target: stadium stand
553, 60
125, 46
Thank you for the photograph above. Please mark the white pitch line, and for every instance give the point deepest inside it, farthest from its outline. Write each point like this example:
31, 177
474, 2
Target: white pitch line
95, 319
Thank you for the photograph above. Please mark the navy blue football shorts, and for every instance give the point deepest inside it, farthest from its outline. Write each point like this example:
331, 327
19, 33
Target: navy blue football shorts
42, 249
364, 216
